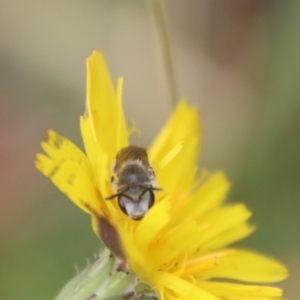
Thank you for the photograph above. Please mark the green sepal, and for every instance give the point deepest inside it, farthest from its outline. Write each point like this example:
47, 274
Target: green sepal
102, 279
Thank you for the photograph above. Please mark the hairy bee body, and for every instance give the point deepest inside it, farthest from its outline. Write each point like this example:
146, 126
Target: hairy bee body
134, 182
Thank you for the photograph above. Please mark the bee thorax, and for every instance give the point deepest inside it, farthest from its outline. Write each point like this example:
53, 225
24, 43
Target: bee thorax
134, 175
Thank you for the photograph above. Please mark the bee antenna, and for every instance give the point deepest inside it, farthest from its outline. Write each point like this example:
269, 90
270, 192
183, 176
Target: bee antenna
155, 188
112, 197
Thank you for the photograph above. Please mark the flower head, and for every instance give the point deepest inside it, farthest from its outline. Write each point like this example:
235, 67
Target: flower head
180, 246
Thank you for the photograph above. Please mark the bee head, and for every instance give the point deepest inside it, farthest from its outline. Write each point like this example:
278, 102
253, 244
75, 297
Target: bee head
135, 201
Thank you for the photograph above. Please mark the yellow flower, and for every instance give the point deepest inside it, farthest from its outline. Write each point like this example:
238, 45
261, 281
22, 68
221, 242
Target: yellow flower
180, 246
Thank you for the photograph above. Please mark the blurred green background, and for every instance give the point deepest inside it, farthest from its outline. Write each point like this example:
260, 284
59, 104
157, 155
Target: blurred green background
237, 60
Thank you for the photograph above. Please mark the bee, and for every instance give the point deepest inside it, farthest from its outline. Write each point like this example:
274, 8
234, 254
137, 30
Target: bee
134, 182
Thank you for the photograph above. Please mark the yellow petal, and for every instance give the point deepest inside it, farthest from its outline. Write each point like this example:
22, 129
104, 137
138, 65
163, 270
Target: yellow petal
209, 195
174, 154
183, 123
60, 148
247, 266
240, 291
175, 244
104, 108
183, 288
70, 171
99, 159
196, 265
179, 171
90, 145
221, 220
154, 221
234, 234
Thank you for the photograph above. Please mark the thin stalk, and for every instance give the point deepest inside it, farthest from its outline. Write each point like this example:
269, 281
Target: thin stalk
164, 37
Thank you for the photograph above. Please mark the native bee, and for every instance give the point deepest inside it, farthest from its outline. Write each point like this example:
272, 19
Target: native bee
134, 182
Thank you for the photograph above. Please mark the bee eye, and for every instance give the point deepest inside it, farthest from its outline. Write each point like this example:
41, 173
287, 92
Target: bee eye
124, 203
146, 200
